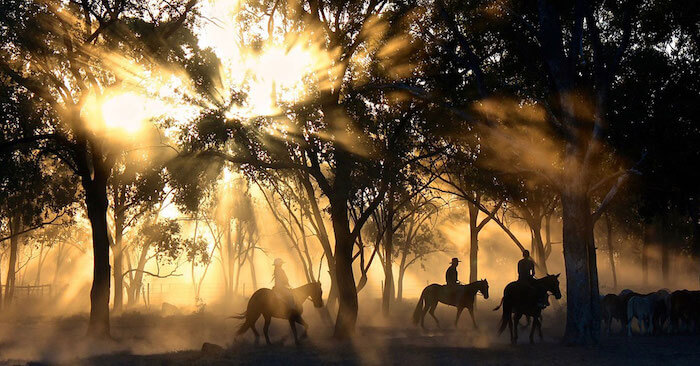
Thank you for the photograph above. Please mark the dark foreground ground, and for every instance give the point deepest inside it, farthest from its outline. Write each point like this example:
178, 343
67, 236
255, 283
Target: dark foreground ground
155, 339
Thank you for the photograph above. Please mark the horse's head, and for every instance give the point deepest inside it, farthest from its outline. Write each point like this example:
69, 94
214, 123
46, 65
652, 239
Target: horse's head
316, 294
484, 288
551, 283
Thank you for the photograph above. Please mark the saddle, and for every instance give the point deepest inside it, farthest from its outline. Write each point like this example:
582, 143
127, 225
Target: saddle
452, 293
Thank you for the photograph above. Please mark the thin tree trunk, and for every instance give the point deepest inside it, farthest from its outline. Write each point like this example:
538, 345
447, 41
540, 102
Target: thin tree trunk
665, 243
402, 272
646, 243
538, 247
137, 282
473, 242
251, 263
15, 227
611, 254
118, 261
388, 293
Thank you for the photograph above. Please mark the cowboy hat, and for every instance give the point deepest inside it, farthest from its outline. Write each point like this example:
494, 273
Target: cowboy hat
455, 260
278, 262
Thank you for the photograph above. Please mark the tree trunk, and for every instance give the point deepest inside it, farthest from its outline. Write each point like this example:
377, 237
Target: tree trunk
665, 243
15, 228
347, 292
538, 247
118, 262
97, 203
135, 285
583, 301
388, 293
611, 253
473, 242
646, 242
251, 262
402, 272
323, 238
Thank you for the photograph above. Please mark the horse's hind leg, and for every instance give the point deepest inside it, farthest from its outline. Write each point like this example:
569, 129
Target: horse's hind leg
459, 312
432, 313
266, 329
539, 327
510, 327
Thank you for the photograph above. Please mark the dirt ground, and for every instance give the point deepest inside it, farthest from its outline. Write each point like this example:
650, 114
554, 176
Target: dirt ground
150, 338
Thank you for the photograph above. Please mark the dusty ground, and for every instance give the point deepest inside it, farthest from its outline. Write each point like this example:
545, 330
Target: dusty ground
154, 339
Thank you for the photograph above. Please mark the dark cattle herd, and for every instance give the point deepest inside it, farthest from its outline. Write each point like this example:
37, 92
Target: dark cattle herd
660, 312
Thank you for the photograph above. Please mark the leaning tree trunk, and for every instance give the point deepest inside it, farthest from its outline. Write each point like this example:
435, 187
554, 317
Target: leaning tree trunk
538, 247
12, 262
97, 203
583, 301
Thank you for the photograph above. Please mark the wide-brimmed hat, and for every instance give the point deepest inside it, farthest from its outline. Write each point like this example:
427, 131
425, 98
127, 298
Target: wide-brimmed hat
278, 262
455, 260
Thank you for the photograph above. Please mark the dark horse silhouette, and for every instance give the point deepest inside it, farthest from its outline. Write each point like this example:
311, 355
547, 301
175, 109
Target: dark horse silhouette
266, 303
520, 299
435, 293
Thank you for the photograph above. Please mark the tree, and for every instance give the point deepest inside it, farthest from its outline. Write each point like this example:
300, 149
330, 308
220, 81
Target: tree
80, 42
334, 136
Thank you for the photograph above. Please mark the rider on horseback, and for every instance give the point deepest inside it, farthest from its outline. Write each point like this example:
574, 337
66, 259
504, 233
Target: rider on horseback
282, 288
451, 278
526, 268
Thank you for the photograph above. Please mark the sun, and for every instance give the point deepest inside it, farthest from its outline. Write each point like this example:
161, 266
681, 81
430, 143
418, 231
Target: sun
126, 112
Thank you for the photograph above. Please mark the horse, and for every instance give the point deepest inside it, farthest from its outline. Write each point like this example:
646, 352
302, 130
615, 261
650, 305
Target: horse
642, 308
683, 309
267, 303
434, 293
526, 299
611, 306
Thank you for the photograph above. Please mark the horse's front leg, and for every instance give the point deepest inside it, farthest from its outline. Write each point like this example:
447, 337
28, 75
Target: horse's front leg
516, 321
510, 327
292, 323
266, 329
535, 323
459, 313
303, 323
471, 312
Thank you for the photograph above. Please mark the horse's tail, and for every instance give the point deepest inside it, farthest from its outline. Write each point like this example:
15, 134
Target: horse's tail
419, 308
505, 318
499, 305
239, 316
